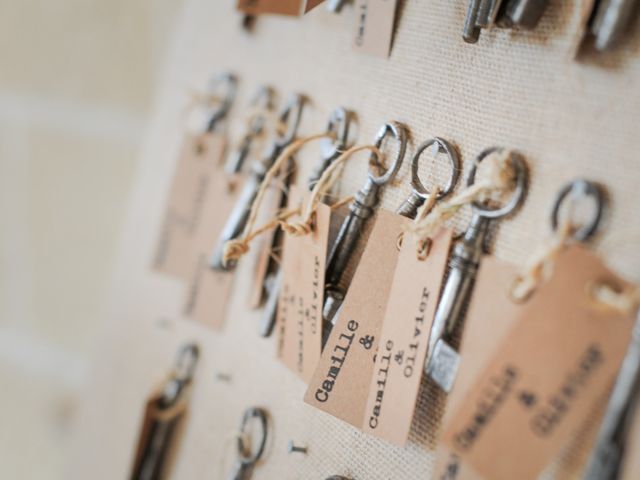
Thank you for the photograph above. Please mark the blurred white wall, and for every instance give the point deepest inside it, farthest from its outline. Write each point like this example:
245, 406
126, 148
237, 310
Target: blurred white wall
76, 82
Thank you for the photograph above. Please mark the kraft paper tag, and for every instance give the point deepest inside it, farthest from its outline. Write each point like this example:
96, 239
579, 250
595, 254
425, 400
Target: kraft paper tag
483, 330
374, 26
299, 314
209, 290
278, 7
200, 159
545, 376
403, 340
340, 383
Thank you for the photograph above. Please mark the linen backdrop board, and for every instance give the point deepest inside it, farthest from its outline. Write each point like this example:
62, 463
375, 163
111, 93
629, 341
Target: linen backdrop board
522, 90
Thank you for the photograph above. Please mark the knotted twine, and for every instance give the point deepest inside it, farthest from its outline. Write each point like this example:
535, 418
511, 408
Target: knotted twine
496, 178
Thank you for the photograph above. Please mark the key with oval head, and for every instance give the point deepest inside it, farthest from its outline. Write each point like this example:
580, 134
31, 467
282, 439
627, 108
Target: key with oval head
339, 125
240, 213
229, 83
442, 360
360, 210
263, 104
247, 457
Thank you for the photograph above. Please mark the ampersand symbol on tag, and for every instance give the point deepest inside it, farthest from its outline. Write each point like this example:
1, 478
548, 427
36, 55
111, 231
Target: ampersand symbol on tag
399, 357
528, 399
367, 341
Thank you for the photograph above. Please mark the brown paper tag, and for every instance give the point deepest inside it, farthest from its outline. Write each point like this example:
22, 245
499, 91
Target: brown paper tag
199, 160
299, 317
278, 7
341, 379
483, 331
415, 289
209, 290
374, 26
546, 375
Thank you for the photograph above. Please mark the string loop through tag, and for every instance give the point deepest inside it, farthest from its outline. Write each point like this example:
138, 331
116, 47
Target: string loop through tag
566, 232
236, 248
329, 176
496, 179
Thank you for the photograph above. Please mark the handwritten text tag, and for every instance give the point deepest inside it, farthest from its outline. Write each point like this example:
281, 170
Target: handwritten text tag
403, 340
199, 160
375, 20
209, 290
546, 375
341, 380
299, 316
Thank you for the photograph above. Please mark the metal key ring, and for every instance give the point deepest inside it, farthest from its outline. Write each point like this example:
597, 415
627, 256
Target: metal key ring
520, 190
454, 161
186, 361
577, 189
228, 82
290, 116
398, 132
244, 451
339, 123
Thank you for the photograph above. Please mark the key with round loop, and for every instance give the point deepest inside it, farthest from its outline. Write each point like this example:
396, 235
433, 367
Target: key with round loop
442, 360
290, 117
247, 456
229, 83
162, 415
339, 125
360, 210
263, 103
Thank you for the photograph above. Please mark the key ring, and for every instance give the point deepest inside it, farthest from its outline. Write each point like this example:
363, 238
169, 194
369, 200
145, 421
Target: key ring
290, 117
519, 192
454, 161
572, 192
338, 126
228, 82
398, 132
246, 456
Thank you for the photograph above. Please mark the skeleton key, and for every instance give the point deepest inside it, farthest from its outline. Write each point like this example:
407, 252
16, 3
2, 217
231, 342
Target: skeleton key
263, 102
229, 82
442, 360
360, 210
162, 416
609, 450
611, 21
487, 13
247, 458
419, 193
339, 124
240, 213
525, 13
471, 31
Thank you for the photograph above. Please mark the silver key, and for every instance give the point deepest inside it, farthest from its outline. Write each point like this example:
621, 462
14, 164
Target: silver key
240, 213
611, 22
360, 210
228, 82
247, 459
471, 31
442, 360
340, 123
335, 6
525, 13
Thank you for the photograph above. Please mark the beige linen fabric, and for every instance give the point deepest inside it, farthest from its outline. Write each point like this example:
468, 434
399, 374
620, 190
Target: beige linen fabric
516, 89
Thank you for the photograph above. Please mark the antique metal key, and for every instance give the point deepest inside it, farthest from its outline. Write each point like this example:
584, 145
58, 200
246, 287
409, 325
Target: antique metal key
360, 210
339, 125
228, 82
247, 455
442, 360
611, 20
162, 415
263, 103
609, 450
240, 213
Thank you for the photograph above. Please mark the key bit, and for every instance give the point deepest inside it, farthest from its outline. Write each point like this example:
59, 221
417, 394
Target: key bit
360, 210
242, 209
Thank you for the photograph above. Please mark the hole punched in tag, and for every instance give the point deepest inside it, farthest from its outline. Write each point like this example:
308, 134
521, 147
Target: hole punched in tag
571, 223
361, 210
163, 412
249, 446
505, 174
